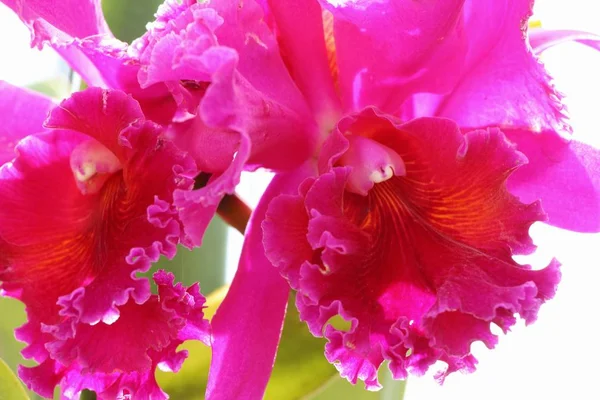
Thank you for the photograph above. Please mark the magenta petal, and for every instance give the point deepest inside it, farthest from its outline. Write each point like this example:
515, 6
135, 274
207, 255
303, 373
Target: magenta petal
543, 39
247, 325
43, 378
222, 109
564, 175
303, 45
387, 50
82, 209
101, 114
222, 65
32, 227
182, 38
503, 83
291, 249
101, 61
228, 123
260, 63
27, 111
181, 33
51, 20
121, 358
109, 63
152, 170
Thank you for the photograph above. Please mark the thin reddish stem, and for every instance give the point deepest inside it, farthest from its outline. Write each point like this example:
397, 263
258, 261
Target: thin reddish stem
234, 212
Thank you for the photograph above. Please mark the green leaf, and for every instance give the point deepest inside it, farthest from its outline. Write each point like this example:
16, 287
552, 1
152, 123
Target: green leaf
300, 367
10, 387
13, 316
392, 389
58, 87
127, 18
205, 264
339, 388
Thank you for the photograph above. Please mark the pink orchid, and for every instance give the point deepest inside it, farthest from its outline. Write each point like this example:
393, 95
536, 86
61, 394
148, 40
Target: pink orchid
415, 143
85, 205
440, 142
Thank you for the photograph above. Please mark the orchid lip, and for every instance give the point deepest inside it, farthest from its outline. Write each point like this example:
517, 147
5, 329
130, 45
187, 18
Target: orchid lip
383, 174
92, 164
371, 163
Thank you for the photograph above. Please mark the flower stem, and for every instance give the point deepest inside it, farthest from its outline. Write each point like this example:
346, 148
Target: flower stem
234, 212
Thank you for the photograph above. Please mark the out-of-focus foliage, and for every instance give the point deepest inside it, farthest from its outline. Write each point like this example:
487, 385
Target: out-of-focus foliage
13, 316
205, 264
127, 18
10, 387
300, 367
339, 389
57, 87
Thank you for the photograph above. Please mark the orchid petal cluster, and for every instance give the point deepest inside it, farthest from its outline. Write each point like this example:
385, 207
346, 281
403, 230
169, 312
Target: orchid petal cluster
87, 204
413, 145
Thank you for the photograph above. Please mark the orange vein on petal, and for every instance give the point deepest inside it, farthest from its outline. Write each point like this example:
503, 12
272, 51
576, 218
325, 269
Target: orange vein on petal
330, 47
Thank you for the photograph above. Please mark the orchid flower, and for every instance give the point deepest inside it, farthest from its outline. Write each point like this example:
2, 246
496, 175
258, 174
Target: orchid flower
413, 143
441, 140
85, 205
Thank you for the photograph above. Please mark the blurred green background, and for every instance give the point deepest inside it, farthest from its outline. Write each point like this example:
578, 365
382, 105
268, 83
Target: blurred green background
301, 371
